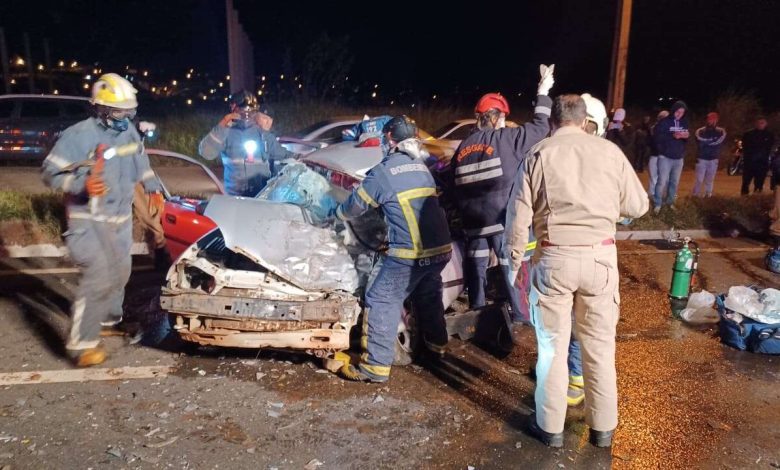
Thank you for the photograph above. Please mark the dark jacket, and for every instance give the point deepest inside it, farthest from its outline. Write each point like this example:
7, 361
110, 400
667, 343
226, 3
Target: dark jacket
756, 147
663, 134
485, 167
402, 186
710, 140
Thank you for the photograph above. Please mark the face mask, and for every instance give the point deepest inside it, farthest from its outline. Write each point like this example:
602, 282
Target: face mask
120, 125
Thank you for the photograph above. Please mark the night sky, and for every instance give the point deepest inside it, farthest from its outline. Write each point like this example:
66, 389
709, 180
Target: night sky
691, 49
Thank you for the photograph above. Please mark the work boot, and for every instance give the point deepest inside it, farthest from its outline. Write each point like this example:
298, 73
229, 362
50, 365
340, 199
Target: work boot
356, 374
575, 395
88, 357
548, 439
601, 438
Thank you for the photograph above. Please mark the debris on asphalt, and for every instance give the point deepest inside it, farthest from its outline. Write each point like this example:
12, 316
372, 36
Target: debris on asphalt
113, 451
201, 372
190, 408
251, 450
152, 432
273, 414
313, 465
163, 415
279, 405
718, 425
378, 399
518, 445
322, 371
259, 375
164, 443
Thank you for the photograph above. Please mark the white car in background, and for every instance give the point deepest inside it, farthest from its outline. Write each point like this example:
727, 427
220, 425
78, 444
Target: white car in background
323, 133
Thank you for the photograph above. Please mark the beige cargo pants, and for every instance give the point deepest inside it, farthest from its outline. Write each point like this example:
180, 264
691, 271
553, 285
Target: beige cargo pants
584, 278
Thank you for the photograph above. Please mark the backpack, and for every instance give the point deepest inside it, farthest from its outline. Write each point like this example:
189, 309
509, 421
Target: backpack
749, 335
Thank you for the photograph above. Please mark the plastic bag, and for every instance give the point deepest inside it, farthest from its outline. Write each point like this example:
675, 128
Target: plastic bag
744, 300
770, 298
297, 184
700, 316
701, 299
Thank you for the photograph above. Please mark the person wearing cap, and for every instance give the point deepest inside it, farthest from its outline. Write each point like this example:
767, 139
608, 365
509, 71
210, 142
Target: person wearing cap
97, 163
710, 139
652, 162
419, 247
575, 265
670, 136
482, 174
245, 145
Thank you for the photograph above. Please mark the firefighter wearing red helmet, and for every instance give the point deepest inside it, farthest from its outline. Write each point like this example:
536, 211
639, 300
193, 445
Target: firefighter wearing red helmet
482, 174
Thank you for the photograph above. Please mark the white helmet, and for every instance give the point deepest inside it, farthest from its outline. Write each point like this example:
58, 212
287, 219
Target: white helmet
114, 91
597, 113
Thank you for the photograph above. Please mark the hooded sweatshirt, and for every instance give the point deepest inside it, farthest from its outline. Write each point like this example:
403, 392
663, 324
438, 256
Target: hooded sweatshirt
663, 134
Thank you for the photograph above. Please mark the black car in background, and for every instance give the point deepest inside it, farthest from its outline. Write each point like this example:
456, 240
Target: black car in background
30, 124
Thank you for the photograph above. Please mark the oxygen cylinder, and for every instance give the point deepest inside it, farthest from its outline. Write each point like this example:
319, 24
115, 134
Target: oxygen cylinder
685, 265
682, 272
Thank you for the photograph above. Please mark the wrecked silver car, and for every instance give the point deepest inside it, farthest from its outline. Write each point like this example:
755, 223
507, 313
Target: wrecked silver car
279, 271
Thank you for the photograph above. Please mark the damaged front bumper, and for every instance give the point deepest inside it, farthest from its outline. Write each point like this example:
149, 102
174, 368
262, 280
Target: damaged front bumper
316, 326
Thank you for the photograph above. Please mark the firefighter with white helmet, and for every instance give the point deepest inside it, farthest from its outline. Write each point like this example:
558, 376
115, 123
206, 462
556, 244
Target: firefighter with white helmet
96, 163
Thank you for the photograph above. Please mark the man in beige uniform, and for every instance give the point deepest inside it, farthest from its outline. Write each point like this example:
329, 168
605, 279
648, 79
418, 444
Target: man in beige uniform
574, 188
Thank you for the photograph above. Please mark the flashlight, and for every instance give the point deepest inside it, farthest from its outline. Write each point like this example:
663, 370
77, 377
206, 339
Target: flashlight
251, 147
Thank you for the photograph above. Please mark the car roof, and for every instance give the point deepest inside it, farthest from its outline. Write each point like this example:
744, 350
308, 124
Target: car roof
57, 97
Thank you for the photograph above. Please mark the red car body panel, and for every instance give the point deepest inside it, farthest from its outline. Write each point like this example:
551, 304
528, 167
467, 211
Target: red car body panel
183, 226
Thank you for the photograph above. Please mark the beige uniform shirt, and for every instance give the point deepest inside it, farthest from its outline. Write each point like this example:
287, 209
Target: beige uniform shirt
574, 188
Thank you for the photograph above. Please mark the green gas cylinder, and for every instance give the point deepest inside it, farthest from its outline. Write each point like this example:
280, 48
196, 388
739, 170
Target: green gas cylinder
685, 264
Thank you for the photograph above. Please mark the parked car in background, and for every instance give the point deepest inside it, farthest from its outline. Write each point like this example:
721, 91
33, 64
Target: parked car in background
323, 133
318, 135
446, 139
30, 124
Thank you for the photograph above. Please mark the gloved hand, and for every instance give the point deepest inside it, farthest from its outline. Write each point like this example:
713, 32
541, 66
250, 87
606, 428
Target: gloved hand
547, 80
156, 203
228, 119
94, 184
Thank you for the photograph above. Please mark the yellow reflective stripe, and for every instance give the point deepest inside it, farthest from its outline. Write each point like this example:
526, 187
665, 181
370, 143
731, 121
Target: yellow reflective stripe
530, 246
128, 149
407, 253
404, 199
382, 371
366, 197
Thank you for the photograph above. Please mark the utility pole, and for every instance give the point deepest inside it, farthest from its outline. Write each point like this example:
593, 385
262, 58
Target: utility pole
29, 62
240, 55
617, 75
4, 59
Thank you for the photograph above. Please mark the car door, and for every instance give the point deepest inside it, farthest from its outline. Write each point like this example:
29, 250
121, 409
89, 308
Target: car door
187, 186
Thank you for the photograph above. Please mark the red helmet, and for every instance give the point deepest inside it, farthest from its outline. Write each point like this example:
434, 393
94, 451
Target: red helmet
492, 101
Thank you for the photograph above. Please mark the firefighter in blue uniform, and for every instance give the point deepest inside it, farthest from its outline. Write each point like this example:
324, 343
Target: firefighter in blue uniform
99, 198
419, 247
244, 143
483, 172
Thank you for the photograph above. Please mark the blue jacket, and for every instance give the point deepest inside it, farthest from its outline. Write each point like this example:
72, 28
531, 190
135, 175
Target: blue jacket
484, 170
367, 128
663, 134
710, 141
64, 169
402, 186
244, 176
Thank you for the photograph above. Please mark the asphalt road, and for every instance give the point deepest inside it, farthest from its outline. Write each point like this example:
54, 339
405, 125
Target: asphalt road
686, 401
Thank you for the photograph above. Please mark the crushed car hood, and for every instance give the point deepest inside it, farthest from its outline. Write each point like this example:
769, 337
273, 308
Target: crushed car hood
278, 237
